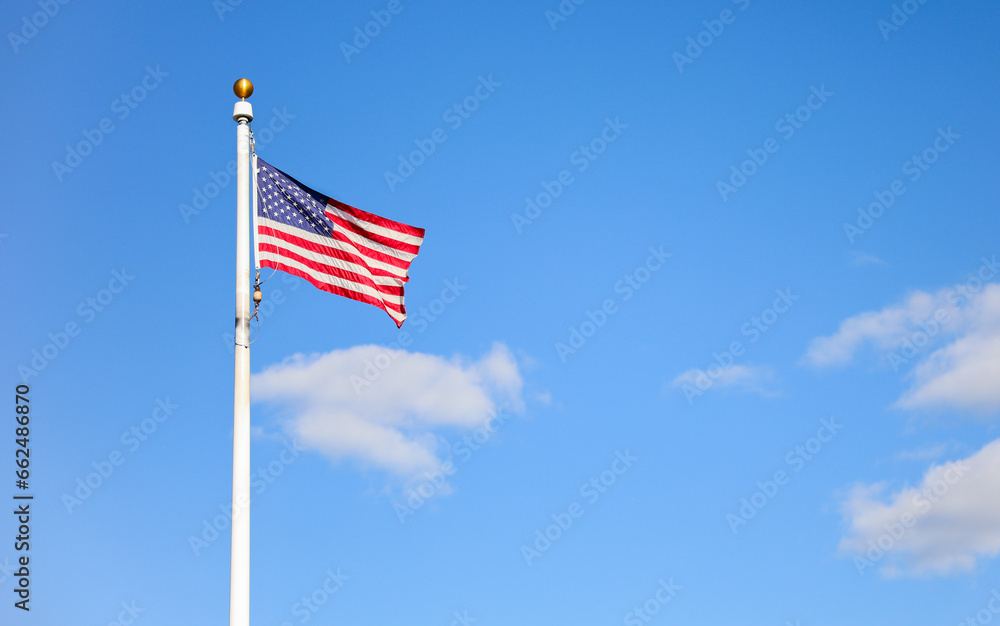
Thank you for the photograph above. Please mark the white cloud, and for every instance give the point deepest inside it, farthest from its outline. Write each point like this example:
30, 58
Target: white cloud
948, 343
884, 330
394, 423
746, 378
961, 375
943, 525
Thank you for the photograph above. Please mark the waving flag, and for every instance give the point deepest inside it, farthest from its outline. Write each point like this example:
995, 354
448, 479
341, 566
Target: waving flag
336, 247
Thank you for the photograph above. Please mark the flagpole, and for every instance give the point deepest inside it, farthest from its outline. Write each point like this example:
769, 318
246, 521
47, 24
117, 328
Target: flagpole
239, 564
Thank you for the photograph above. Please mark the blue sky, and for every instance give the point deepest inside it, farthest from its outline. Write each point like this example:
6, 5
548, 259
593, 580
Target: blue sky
704, 327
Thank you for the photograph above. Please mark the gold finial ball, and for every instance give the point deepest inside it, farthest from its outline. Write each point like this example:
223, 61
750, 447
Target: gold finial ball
257, 296
243, 88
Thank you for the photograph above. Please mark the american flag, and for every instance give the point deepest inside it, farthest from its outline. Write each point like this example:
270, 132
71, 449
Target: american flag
336, 247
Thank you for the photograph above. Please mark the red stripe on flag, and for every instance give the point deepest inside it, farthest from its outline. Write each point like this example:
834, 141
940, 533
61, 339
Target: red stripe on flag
329, 270
377, 220
369, 252
337, 253
385, 241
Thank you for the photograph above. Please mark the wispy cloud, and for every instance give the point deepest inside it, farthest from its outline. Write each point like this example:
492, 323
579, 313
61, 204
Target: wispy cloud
882, 330
743, 378
861, 259
396, 424
927, 453
964, 374
947, 344
943, 525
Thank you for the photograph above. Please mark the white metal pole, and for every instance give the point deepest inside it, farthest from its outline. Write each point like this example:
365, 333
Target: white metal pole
239, 573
